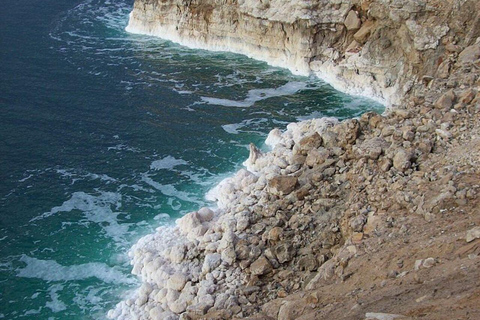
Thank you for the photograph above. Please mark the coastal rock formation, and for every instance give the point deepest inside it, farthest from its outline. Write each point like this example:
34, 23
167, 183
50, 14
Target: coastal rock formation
367, 218
374, 48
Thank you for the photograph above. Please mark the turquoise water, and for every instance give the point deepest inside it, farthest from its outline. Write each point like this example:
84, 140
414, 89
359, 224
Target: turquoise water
106, 135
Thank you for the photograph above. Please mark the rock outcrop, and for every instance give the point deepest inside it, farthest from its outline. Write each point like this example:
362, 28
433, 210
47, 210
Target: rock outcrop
347, 219
376, 48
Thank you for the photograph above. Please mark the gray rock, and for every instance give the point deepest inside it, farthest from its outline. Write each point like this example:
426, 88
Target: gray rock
228, 255
211, 262
284, 252
307, 263
358, 222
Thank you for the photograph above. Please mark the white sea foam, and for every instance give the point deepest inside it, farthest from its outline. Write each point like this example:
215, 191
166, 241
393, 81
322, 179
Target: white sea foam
167, 163
234, 128
97, 209
76, 175
56, 305
256, 95
50, 270
122, 147
170, 190
26, 178
32, 311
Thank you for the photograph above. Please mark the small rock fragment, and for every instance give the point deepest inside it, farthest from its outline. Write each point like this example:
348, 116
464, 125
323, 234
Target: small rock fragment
473, 234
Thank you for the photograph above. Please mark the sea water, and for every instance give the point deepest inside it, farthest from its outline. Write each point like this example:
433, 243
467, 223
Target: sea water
105, 136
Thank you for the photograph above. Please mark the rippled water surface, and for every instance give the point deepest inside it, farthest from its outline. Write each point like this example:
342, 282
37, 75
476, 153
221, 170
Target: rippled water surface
106, 135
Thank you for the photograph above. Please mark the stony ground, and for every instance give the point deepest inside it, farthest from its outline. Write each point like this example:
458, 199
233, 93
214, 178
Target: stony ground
410, 231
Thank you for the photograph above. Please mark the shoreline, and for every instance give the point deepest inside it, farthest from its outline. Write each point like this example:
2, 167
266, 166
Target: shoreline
307, 215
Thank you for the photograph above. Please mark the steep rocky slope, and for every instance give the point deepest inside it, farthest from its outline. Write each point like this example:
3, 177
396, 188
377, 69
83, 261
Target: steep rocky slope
368, 218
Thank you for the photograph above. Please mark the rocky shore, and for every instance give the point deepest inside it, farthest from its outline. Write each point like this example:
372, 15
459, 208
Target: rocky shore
369, 218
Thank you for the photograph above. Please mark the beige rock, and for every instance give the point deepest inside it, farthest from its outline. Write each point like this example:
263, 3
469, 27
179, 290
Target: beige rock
469, 54
446, 101
308, 143
352, 21
361, 36
357, 237
261, 266
177, 281
275, 233
316, 156
282, 185
401, 160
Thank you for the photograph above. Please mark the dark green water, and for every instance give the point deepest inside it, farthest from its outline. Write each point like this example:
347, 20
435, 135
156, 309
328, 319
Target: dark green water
106, 135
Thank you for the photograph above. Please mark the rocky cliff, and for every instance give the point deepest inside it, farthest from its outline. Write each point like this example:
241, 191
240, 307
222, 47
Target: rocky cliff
376, 48
371, 218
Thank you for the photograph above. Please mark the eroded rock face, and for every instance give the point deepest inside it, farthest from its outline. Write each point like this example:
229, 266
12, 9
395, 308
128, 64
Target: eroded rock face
374, 48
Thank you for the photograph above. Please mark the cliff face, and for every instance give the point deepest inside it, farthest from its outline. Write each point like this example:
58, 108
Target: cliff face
375, 48
340, 220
